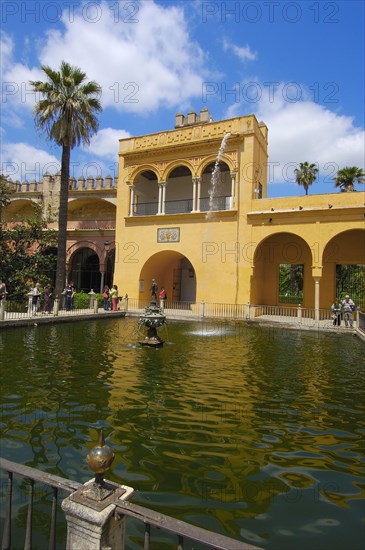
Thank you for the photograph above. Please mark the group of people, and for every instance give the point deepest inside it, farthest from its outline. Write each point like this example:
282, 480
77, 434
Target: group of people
347, 308
35, 295
162, 294
111, 297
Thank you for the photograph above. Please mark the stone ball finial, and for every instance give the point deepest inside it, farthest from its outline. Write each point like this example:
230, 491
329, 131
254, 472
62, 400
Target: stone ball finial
100, 457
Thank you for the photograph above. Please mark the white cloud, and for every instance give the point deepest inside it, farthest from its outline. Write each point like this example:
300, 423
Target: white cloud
142, 61
105, 143
140, 65
21, 161
243, 53
304, 131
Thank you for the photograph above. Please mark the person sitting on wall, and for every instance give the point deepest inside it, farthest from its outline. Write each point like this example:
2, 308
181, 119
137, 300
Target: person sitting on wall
336, 309
348, 307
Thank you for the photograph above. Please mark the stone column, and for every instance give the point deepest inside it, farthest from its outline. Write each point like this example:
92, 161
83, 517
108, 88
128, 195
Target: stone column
198, 180
164, 185
233, 181
159, 207
92, 528
161, 197
131, 200
316, 298
2, 310
102, 273
194, 194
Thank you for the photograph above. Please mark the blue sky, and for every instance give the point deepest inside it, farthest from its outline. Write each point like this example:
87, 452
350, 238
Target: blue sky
297, 65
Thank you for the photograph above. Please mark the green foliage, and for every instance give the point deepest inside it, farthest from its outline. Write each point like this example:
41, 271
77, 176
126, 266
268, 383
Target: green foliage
67, 109
350, 279
306, 174
81, 300
67, 114
291, 278
25, 256
5, 193
348, 176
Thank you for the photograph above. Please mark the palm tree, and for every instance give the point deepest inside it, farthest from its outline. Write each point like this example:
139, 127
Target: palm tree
346, 177
306, 174
67, 113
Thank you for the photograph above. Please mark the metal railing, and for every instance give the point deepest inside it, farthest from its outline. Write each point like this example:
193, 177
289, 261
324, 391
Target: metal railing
13, 310
298, 315
32, 475
181, 529
182, 206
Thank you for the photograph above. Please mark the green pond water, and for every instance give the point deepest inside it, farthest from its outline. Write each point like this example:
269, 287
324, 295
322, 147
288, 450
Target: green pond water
255, 433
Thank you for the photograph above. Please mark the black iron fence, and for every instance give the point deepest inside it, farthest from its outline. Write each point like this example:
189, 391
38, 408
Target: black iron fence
153, 521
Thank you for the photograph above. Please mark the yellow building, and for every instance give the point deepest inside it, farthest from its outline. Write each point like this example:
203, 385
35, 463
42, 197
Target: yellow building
90, 226
227, 244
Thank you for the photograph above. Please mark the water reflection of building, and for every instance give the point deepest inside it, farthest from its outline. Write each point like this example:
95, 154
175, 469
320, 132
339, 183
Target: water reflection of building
158, 217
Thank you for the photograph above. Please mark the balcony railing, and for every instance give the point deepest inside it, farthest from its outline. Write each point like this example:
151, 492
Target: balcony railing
183, 206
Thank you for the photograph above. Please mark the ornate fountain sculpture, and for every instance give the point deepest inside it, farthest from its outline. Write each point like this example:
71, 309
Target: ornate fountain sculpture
152, 318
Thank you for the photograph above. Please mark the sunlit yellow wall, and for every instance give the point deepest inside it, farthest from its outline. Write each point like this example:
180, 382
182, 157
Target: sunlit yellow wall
229, 251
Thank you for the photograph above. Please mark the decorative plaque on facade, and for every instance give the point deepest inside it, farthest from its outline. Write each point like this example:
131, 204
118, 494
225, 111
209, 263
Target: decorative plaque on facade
168, 235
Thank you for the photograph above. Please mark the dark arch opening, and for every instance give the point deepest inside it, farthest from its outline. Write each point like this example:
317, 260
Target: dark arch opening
85, 270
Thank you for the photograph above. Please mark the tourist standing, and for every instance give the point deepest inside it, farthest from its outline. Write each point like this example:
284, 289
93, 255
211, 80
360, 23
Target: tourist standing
3, 292
348, 308
114, 297
69, 293
106, 297
154, 289
336, 309
47, 299
36, 294
163, 296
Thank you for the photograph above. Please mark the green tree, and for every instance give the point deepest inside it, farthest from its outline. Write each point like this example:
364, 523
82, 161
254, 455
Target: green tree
5, 193
25, 249
306, 174
348, 176
67, 113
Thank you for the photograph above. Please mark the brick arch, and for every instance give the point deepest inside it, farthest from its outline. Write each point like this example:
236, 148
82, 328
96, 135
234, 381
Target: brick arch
75, 247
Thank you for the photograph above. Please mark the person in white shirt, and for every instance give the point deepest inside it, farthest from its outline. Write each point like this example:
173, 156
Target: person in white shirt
348, 307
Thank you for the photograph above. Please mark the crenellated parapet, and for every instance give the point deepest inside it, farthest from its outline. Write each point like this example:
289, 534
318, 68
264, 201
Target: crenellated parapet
52, 183
46, 192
